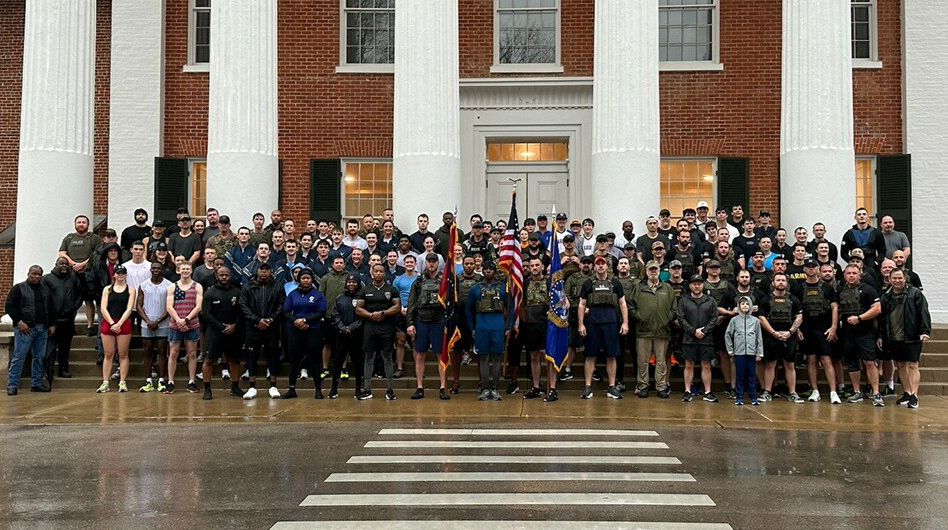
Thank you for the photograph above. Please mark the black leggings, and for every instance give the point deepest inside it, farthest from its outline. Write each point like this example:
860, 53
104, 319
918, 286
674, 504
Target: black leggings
348, 346
265, 343
304, 345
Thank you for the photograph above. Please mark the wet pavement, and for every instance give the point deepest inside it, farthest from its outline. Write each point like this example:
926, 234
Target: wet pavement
80, 460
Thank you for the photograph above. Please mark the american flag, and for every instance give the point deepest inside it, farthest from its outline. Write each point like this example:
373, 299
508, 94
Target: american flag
511, 261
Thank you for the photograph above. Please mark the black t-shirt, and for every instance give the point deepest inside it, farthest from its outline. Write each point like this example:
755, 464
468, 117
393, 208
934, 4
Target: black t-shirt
866, 296
795, 273
379, 299
601, 314
184, 246
730, 297
644, 245
765, 309
746, 245
817, 319
132, 234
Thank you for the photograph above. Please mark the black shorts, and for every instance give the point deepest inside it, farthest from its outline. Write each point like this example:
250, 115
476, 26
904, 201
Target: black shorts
814, 343
697, 352
401, 323
858, 348
780, 350
85, 289
217, 345
467, 337
718, 335
534, 336
574, 339
329, 332
905, 352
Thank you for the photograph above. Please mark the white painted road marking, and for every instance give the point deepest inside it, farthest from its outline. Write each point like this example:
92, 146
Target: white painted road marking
494, 525
478, 476
512, 459
533, 444
525, 500
516, 432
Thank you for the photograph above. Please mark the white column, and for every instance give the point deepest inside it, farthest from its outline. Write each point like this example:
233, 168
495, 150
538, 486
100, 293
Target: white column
925, 75
625, 137
56, 128
816, 130
136, 107
242, 162
426, 174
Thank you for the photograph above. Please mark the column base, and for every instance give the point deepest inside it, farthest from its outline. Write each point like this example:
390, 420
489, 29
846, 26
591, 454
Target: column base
818, 185
624, 185
241, 184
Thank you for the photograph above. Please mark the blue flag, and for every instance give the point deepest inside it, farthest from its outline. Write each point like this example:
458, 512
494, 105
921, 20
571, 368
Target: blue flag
557, 331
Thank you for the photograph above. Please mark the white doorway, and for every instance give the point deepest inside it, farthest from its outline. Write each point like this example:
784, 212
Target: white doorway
541, 188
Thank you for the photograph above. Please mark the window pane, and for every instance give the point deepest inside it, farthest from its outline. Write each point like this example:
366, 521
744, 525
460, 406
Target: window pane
685, 182
527, 36
369, 35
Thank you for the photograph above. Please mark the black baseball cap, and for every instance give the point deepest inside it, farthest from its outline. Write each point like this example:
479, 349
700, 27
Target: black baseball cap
158, 222
120, 269
696, 278
569, 237
542, 216
431, 257
810, 262
489, 265
602, 238
586, 259
477, 225
109, 232
225, 220
534, 236
264, 265
561, 215
664, 212
161, 246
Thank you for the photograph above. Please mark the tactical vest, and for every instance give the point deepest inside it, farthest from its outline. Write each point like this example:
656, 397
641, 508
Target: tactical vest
627, 285
687, 259
815, 302
573, 286
849, 302
716, 290
537, 293
781, 310
602, 294
490, 301
464, 286
428, 297
635, 268
728, 271
678, 288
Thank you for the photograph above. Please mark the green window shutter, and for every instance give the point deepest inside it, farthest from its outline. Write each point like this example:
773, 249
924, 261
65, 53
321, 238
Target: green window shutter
171, 188
733, 183
894, 191
325, 179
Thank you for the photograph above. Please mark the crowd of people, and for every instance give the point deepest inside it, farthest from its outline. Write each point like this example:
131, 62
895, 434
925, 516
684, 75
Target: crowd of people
721, 291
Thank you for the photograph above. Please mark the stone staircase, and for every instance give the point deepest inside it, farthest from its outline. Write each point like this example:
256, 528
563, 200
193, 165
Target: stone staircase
87, 375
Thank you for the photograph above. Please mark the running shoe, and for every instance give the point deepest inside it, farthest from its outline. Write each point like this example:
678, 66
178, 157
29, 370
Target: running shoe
466, 358
390, 395
834, 398
687, 397
455, 388
324, 374
611, 392
123, 386
513, 388
103, 388
147, 387
709, 397
739, 402
364, 396
904, 400
289, 394
333, 393
116, 375
495, 394
913, 402
587, 392
766, 396
207, 394
250, 393
855, 398
236, 391
485, 395
318, 394
551, 397
169, 388
443, 395
160, 387
533, 393
566, 375
225, 374
192, 387
344, 375
795, 398
397, 374
755, 402
597, 377
814, 396
419, 394
274, 392
877, 400
304, 374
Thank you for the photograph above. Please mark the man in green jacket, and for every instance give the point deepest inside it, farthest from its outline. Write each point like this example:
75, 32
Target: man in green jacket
332, 285
653, 309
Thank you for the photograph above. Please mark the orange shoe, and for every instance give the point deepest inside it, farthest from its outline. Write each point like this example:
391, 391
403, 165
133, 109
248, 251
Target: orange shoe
673, 361
651, 360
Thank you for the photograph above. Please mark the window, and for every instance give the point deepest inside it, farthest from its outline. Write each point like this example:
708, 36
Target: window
199, 33
367, 187
527, 151
368, 28
197, 195
864, 29
684, 182
526, 35
688, 31
865, 184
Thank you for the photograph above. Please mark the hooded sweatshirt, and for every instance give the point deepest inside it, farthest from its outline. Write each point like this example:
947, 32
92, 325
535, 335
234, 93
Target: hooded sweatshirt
743, 335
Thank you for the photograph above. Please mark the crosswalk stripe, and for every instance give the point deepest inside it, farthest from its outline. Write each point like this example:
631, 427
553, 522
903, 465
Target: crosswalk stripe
494, 525
516, 432
532, 444
480, 476
511, 459
525, 500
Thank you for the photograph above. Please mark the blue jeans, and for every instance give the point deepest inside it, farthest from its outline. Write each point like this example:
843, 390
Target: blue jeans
745, 366
22, 344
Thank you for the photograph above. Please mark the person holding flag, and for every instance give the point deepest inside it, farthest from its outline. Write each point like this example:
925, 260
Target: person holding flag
602, 296
557, 322
426, 322
511, 262
486, 314
532, 332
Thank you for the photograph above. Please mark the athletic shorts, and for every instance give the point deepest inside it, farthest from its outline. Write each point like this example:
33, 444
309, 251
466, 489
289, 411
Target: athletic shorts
718, 335
105, 328
401, 323
487, 341
329, 333
602, 337
175, 336
574, 339
697, 352
905, 352
814, 343
467, 339
217, 345
780, 350
533, 336
160, 333
429, 336
858, 348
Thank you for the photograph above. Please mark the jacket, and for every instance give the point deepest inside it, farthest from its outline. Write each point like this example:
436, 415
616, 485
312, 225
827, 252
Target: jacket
442, 235
66, 292
694, 314
743, 335
916, 318
652, 311
332, 285
260, 300
874, 249
22, 300
344, 315
309, 305
237, 260
221, 306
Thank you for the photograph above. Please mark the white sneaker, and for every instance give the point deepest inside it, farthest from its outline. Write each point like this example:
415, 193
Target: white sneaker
274, 393
116, 375
200, 376
304, 374
814, 396
268, 373
250, 393
834, 398
225, 374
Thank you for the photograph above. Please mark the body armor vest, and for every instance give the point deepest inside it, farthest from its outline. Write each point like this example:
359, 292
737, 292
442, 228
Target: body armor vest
728, 270
428, 297
602, 294
814, 300
781, 310
716, 290
687, 259
627, 285
464, 286
849, 302
537, 293
490, 301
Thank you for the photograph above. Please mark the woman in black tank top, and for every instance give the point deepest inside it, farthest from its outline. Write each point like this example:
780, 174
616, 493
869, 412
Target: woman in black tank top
117, 302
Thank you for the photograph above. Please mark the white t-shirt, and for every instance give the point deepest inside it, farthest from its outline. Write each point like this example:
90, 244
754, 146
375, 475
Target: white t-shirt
138, 273
155, 300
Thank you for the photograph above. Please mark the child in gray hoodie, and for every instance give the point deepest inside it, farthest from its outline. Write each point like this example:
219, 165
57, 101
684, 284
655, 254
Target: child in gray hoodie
744, 342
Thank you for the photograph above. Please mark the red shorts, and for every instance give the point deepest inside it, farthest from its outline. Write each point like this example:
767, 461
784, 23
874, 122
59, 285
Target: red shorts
106, 329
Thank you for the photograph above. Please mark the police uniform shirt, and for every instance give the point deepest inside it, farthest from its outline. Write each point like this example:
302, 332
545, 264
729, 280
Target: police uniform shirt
379, 299
854, 301
767, 307
601, 314
816, 299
